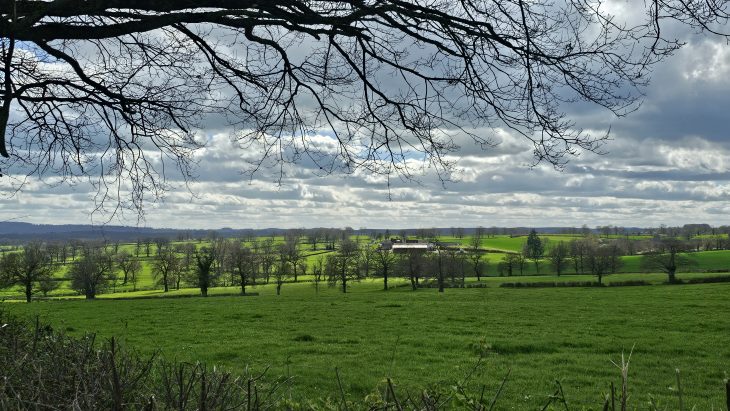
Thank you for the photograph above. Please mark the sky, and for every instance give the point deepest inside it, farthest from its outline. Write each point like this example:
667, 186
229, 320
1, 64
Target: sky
666, 163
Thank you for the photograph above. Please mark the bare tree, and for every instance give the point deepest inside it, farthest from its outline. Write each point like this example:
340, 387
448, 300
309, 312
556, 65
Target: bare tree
343, 265
384, 260
267, 256
30, 269
601, 260
578, 250
290, 249
242, 263
475, 253
513, 261
220, 248
318, 272
282, 270
93, 272
437, 267
558, 257
102, 85
410, 265
161, 243
166, 265
519, 260
314, 235
187, 264
668, 257
130, 267
366, 261
147, 247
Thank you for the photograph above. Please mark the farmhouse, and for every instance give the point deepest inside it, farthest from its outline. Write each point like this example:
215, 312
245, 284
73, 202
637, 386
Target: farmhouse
407, 248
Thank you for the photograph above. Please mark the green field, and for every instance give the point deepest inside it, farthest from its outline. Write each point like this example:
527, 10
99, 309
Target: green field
423, 338
705, 261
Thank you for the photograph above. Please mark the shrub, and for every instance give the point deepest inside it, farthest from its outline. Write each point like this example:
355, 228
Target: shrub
628, 283
548, 284
707, 280
41, 368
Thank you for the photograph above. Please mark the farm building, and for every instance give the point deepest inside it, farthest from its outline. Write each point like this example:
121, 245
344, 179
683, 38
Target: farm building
405, 248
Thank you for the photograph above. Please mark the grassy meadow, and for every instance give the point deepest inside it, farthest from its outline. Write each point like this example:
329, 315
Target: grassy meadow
496, 249
422, 338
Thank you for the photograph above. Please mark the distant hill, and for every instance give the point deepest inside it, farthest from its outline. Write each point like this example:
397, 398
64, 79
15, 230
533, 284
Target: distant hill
18, 232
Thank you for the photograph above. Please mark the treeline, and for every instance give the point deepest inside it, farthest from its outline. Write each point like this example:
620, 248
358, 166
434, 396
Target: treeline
602, 256
98, 267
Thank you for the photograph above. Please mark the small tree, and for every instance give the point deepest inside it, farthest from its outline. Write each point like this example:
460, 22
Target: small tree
317, 273
346, 260
186, 266
166, 266
242, 263
436, 267
600, 261
282, 271
129, 266
28, 269
534, 249
509, 264
475, 253
578, 253
520, 261
410, 265
366, 261
384, 260
267, 257
290, 249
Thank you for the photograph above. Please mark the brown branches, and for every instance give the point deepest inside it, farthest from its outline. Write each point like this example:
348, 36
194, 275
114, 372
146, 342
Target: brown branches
92, 89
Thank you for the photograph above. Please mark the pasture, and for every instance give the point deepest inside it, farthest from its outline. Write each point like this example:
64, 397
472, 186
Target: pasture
497, 247
424, 338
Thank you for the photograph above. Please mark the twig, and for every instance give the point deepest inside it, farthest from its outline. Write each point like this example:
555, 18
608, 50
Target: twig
392, 393
499, 391
342, 391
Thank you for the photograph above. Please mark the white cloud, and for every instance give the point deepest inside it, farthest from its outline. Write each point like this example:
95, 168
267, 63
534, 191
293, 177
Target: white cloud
667, 163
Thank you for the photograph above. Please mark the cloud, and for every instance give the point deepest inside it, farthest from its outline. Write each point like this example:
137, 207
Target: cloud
668, 162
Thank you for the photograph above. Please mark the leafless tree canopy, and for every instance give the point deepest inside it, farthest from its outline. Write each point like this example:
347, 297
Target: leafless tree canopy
119, 91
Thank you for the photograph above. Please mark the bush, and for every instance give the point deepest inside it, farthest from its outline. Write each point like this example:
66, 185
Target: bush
708, 280
546, 284
628, 283
43, 369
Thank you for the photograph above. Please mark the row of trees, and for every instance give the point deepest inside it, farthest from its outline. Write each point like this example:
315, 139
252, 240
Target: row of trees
599, 257
236, 262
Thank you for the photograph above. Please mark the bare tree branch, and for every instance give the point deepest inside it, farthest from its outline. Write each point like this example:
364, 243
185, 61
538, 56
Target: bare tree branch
117, 91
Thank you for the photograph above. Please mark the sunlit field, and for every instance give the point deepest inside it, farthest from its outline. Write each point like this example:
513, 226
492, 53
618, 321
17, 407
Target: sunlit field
422, 338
